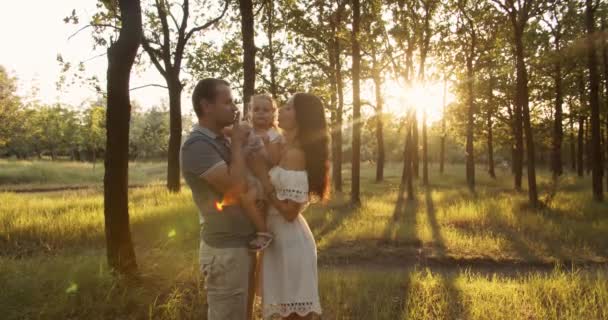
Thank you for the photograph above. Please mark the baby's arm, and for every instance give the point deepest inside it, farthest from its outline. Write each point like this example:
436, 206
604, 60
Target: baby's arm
273, 149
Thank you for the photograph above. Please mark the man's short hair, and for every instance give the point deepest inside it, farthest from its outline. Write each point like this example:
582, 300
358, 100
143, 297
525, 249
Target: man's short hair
205, 89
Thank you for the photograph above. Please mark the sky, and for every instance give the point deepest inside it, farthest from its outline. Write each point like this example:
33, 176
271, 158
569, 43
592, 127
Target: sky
33, 33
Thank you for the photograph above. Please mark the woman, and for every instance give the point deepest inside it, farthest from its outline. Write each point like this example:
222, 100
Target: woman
289, 277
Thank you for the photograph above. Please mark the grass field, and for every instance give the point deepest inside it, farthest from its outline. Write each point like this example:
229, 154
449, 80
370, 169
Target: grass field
44, 174
450, 254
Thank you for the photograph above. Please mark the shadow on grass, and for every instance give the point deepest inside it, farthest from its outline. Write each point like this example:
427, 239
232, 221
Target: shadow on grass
341, 212
160, 228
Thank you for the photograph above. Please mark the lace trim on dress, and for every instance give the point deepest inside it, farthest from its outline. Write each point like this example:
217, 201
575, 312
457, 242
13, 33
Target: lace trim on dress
296, 195
285, 309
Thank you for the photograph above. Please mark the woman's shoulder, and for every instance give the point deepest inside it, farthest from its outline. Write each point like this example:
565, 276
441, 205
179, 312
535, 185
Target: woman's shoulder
294, 159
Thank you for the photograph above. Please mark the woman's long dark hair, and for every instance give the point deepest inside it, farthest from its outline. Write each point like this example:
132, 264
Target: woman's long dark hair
313, 136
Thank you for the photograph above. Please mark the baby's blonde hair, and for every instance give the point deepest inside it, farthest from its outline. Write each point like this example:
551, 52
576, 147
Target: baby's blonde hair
266, 97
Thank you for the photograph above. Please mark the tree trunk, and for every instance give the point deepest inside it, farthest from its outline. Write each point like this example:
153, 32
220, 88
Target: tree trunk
425, 153
175, 133
605, 60
406, 185
415, 146
121, 55
379, 128
443, 128
581, 146
518, 146
490, 125
522, 99
470, 156
356, 147
248, 34
572, 143
558, 132
594, 83
337, 169
271, 60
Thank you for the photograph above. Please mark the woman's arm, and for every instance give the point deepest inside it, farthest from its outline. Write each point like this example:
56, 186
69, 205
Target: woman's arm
287, 208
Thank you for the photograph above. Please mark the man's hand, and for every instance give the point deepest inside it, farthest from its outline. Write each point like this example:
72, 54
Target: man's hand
239, 132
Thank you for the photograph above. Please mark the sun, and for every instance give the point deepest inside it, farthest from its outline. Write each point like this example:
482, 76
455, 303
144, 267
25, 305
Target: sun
425, 97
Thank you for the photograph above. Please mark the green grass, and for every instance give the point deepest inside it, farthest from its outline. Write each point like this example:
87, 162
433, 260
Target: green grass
52, 259
23, 175
390, 294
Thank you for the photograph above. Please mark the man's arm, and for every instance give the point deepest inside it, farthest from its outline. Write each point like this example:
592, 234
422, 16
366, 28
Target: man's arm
229, 179
203, 160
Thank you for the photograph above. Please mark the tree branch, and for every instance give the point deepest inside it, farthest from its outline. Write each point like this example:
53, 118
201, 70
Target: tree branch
97, 25
149, 85
208, 24
152, 53
166, 47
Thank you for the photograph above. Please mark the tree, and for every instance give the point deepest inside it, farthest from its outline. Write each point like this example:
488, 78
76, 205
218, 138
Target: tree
121, 56
429, 7
374, 39
95, 130
248, 34
356, 148
468, 29
556, 14
165, 45
594, 103
9, 106
443, 128
519, 12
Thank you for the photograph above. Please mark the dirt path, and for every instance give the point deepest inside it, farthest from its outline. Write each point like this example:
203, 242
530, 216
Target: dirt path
414, 260
62, 188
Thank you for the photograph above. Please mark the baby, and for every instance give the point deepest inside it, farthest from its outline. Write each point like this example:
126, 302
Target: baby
262, 148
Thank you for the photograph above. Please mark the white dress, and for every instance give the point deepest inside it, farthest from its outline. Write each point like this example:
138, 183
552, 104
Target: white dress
289, 267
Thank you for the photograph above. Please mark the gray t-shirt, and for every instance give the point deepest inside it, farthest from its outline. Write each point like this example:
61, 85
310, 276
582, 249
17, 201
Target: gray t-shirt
226, 228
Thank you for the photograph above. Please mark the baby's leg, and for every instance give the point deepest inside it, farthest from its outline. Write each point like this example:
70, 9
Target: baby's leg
255, 212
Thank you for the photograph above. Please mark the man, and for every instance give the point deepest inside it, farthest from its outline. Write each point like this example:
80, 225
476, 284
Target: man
214, 168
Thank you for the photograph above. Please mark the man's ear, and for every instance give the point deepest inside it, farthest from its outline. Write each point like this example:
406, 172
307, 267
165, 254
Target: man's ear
203, 105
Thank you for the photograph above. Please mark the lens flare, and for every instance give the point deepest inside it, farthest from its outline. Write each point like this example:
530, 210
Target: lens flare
219, 205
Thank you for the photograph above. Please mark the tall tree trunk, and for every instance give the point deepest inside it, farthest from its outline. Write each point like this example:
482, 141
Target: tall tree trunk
425, 153
518, 148
337, 169
594, 83
588, 147
424, 48
605, 60
175, 135
356, 147
271, 58
415, 147
379, 128
121, 55
406, 185
558, 131
408, 159
581, 146
572, 143
248, 33
443, 128
333, 99
522, 100
470, 156
490, 127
